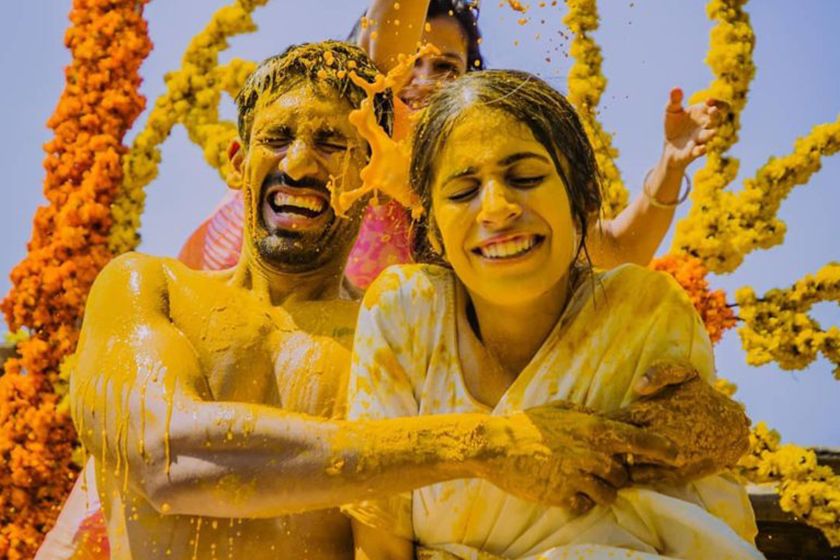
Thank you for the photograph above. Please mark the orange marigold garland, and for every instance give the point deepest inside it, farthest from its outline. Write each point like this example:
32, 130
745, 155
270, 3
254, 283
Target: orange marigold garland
108, 40
690, 273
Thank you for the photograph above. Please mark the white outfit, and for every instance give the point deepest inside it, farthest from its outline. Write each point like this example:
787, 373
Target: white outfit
406, 363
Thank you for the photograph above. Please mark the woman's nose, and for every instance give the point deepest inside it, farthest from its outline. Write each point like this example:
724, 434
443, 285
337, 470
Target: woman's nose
498, 209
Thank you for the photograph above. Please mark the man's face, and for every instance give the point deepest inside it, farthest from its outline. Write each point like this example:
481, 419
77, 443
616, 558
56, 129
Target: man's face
300, 142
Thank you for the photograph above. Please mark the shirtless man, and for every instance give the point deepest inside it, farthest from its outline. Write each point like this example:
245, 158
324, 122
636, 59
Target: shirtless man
188, 387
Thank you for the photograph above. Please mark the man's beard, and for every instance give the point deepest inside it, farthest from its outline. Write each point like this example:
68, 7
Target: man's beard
294, 251
301, 251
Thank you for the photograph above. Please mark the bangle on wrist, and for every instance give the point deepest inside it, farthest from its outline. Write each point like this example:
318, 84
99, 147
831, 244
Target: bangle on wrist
666, 205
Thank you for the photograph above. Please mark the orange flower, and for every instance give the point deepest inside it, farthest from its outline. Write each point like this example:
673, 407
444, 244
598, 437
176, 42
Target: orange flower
690, 273
108, 40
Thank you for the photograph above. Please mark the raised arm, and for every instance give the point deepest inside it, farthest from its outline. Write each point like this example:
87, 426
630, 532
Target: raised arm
635, 234
395, 27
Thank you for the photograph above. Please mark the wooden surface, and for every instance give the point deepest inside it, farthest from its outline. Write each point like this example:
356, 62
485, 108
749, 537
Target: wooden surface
781, 536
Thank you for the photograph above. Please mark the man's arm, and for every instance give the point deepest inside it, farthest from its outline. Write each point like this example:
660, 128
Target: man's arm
384, 39
635, 234
141, 402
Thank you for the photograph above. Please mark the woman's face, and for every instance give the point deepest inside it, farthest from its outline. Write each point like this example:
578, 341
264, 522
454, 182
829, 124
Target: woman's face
502, 210
431, 71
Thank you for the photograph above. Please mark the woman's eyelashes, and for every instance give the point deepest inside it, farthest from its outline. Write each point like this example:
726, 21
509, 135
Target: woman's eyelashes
470, 190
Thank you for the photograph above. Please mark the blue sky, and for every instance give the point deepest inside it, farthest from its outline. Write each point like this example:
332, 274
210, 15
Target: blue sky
648, 47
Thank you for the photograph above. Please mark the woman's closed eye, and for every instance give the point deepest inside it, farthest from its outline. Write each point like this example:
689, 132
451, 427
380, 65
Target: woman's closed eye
526, 181
463, 193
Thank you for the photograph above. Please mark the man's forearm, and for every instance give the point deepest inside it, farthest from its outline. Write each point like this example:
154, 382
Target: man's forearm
262, 462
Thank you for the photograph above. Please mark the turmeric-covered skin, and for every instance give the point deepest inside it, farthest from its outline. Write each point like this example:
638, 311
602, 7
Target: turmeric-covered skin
187, 386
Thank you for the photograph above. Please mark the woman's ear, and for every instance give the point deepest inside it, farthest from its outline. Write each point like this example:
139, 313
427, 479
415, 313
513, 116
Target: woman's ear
235, 171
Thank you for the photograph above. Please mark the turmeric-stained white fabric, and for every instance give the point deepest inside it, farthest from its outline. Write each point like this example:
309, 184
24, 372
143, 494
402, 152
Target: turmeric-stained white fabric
405, 363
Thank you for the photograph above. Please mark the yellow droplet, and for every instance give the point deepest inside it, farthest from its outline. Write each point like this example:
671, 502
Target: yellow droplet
165, 508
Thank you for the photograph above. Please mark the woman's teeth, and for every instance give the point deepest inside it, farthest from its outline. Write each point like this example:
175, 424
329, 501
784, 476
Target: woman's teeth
508, 249
305, 202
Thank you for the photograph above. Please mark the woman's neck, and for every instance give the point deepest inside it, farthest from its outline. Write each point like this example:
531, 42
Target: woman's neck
513, 334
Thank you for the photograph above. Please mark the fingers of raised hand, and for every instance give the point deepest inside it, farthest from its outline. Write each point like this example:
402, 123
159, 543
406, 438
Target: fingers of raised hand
663, 374
675, 100
705, 135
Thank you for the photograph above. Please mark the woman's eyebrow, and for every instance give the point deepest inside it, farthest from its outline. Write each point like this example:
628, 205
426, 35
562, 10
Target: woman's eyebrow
511, 159
458, 174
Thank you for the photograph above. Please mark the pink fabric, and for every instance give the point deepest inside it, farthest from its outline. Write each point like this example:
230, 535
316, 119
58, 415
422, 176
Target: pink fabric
384, 239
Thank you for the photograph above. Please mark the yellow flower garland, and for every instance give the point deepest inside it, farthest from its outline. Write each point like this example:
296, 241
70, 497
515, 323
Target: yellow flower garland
749, 221
806, 489
778, 328
730, 58
192, 98
586, 84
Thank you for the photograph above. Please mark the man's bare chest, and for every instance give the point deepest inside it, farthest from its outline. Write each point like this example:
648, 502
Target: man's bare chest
252, 352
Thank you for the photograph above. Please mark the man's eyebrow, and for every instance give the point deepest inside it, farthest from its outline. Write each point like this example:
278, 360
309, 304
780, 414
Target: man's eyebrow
326, 133
276, 130
511, 159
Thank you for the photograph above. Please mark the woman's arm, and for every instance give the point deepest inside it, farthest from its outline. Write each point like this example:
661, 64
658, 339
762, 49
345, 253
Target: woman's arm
394, 28
635, 234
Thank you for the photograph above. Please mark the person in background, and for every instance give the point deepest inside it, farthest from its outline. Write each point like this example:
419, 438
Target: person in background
390, 29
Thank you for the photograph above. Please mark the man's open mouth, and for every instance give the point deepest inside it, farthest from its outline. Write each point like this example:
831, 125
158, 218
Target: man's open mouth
294, 208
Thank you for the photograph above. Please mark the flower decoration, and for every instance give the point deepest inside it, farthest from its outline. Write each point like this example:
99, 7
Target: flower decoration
108, 40
777, 326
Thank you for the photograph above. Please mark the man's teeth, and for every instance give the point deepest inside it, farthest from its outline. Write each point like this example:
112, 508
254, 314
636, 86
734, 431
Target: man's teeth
313, 203
507, 249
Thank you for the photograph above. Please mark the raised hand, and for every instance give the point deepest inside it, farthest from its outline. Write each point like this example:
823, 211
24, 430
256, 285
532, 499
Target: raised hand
688, 130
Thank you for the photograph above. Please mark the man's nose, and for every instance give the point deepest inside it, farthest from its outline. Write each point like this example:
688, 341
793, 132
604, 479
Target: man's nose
498, 208
299, 161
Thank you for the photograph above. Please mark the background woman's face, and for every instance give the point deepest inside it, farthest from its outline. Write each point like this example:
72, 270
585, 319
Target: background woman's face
431, 71
501, 209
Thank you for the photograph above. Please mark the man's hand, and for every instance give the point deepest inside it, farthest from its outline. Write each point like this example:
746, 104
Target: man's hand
710, 430
560, 456
688, 130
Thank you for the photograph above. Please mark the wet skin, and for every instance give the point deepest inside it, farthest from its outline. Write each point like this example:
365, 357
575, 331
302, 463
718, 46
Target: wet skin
271, 332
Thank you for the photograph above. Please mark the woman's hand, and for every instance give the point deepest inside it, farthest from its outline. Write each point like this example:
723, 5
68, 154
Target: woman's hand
688, 130
560, 456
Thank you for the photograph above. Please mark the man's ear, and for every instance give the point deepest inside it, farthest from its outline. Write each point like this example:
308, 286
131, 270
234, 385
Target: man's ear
235, 171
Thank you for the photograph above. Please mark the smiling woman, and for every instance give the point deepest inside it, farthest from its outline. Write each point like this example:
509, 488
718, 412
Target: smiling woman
509, 321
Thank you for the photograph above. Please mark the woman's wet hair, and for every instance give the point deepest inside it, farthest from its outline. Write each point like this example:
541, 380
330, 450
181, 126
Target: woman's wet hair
547, 114
465, 13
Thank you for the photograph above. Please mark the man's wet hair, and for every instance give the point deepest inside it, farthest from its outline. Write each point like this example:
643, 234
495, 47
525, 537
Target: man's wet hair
317, 64
465, 13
